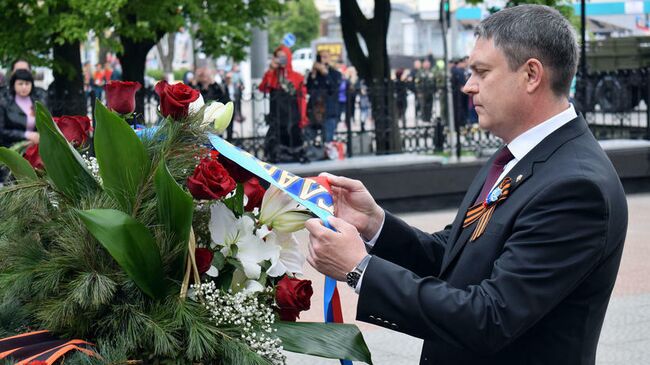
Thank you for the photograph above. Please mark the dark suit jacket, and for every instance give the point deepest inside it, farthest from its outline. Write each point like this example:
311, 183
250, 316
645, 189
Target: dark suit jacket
533, 289
13, 122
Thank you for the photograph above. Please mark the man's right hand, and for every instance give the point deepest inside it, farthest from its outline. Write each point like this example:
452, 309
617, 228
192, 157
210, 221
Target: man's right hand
354, 204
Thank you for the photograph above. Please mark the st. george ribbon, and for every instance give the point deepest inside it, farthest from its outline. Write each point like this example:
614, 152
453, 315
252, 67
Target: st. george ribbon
306, 192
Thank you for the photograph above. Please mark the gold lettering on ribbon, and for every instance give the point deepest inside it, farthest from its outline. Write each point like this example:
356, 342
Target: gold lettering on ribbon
306, 193
268, 167
287, 178
329, 208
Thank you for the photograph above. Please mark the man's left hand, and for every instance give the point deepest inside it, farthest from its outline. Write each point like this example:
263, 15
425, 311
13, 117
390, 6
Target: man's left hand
334, 253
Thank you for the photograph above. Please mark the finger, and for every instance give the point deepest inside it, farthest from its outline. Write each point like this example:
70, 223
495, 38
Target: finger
344, 182
341, 225
314, 225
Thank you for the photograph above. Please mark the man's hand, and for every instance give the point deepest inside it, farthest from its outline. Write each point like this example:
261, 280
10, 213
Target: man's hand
334, 253
353, 203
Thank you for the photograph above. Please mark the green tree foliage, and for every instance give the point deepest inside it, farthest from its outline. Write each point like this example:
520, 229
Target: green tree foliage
32, 28
300, 18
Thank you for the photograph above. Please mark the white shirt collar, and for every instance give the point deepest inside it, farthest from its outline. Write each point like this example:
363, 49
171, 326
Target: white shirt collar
526, 141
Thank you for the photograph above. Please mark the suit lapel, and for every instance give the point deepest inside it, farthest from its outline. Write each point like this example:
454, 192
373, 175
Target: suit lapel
518, 174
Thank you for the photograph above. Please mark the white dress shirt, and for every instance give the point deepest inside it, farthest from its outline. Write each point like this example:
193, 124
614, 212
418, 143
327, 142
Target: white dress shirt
519, 147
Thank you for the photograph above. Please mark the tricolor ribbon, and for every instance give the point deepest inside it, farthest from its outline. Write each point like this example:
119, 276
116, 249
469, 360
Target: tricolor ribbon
40, 346
482, 212
306, 192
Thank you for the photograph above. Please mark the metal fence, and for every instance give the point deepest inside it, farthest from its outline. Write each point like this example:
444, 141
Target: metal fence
356, 129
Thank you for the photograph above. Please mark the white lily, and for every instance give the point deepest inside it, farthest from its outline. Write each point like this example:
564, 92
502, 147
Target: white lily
226, 230
281, 212
196, 105
219, 115
290, 260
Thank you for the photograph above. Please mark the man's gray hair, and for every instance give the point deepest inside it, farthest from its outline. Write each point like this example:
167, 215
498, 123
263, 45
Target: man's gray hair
535, 31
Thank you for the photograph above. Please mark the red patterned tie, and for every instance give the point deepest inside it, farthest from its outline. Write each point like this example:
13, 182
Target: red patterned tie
503, 157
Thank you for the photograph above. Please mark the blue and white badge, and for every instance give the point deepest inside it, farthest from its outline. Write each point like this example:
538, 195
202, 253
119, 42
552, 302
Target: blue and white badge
494, 195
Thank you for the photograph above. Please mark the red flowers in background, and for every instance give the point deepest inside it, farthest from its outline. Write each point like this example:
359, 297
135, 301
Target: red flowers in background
238, 173
255, 192
120, 95
33, 157
210, 180
75, 128
293, 296
175, 99
203, 259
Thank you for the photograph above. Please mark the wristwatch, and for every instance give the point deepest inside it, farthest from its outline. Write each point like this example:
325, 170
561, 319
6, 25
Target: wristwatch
353, 276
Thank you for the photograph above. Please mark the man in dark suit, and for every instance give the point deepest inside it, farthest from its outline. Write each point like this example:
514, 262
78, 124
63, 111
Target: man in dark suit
524, 273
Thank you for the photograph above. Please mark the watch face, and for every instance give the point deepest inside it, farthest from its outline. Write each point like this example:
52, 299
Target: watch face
353, 278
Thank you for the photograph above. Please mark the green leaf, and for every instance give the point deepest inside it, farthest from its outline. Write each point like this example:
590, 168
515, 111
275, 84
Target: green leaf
19, 167
63, 164
123, 161
131, 245
175, 208
236, 202
331, 340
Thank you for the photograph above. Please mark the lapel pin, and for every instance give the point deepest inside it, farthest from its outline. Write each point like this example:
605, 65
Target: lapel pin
519, 178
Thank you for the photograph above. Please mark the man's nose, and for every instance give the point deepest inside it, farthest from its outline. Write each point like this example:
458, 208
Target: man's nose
470, 87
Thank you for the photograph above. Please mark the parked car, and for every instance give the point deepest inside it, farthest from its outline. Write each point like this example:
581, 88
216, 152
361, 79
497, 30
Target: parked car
302, 60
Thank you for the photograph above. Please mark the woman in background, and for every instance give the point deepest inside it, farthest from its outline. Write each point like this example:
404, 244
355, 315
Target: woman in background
17, 117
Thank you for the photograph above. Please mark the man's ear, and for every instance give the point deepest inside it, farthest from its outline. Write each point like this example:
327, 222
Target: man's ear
534, 74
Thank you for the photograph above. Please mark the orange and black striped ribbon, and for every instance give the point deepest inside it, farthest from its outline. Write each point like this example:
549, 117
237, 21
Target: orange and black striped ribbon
41, 347
482, 212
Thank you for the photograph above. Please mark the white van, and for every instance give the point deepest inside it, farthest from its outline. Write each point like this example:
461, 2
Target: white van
302, 60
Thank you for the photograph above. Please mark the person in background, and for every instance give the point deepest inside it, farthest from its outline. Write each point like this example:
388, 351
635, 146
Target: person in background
459, 98
415, 71
364, 103
400, 87
117, 70
209, 88
37, 92
17, 117
108, 72
353, 89
238, 87
287, 115
323, 86
425, 84
343, 95
99, 80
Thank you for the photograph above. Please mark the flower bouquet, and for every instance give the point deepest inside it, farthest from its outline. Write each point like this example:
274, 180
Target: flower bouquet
157, 250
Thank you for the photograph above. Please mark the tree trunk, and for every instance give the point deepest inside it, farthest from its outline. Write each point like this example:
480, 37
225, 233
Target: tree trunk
133, 60
65, 94
376, 73
167, 58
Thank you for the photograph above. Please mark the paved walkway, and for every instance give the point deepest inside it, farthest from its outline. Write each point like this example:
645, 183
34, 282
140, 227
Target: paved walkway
625, 339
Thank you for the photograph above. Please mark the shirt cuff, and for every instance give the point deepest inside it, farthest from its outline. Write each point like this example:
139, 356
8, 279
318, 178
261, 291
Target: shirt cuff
362, 266
373, 240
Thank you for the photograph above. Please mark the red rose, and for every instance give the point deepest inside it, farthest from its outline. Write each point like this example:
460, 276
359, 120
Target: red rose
203, 259
75, 128
292, 296
322, 180
120, 95
255, 192
175, 99
33, 157
238, 173
210, 180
